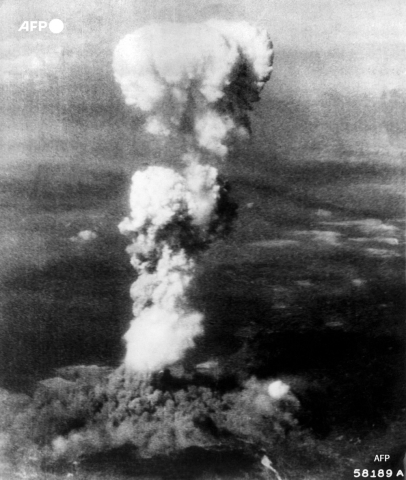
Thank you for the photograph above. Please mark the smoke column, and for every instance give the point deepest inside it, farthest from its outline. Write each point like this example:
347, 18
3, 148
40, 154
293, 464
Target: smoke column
195, 84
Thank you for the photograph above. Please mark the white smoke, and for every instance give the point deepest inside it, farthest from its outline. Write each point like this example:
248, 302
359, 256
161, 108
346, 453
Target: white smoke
197, 79
171, 216
195, 82
278, 389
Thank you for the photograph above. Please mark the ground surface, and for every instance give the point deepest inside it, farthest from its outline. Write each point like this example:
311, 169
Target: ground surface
309, 288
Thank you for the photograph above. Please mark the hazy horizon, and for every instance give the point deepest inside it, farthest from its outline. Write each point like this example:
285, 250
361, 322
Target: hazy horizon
324, 138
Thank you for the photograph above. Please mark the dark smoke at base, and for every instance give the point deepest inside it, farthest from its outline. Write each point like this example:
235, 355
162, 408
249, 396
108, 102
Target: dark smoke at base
195, 83
88, 410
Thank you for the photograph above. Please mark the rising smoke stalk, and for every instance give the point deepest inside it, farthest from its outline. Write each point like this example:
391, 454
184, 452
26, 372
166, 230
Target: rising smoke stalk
194, 83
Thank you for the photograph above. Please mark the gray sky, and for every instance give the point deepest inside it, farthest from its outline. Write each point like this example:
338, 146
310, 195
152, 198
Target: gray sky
357, 45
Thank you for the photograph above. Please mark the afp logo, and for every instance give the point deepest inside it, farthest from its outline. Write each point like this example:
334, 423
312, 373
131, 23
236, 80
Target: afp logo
55, 25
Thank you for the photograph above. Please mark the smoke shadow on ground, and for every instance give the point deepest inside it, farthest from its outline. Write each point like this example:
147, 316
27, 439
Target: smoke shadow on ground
73, 310
361, 376
228, 320
348, 342
191, 463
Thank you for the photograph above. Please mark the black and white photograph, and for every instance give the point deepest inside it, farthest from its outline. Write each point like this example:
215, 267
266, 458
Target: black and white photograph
202, 239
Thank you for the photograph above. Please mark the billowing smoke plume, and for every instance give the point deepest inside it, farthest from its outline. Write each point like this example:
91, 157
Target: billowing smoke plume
89, 410
195, 79
195, 83
172, 216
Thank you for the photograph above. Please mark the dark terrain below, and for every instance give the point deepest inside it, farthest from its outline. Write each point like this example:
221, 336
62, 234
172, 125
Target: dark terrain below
310, 286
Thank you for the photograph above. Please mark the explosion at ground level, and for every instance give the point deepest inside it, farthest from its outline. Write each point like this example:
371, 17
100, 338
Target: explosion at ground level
174, 425
317, 323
